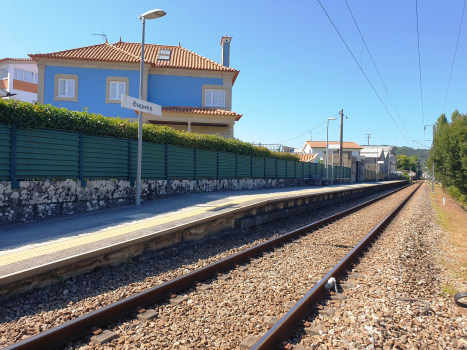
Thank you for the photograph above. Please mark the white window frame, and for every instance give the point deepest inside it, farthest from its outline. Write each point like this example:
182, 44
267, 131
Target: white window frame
3, 69
211, 93
164, 54
67, 87
227, 97
16, 70
109, 81
58, 77
119, 91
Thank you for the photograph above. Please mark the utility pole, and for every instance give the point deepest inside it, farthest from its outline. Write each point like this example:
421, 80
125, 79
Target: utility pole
433, 163
368, 137
342, 133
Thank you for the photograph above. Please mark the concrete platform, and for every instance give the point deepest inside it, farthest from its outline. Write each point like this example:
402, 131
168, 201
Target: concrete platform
33, 254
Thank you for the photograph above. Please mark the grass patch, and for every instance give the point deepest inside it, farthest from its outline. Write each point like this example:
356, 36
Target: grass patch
449, 290
452, 218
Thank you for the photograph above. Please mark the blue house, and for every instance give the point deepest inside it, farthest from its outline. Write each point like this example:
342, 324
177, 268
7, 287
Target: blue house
195, 92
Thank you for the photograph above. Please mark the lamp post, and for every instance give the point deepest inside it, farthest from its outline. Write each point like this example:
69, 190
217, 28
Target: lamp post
147, 15
327, 142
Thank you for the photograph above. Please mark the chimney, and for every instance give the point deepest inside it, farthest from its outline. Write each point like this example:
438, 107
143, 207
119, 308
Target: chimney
225, 43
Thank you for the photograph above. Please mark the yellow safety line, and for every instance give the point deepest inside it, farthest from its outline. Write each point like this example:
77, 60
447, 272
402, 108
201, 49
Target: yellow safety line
11, 258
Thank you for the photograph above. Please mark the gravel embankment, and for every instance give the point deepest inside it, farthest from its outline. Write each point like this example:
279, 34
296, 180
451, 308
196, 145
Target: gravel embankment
397, 299
232, 309
38, 310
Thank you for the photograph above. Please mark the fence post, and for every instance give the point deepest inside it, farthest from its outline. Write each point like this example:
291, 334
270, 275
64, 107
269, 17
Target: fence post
236, 166
195, 167
130, 165
167, 163
14, 183
218, 165
251, 166
276, 167
81, 159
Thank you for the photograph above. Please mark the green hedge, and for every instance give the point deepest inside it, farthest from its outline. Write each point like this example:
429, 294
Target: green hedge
27, 115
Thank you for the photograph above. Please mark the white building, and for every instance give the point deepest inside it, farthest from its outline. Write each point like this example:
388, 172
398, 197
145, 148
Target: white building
19, 76
318, 148
385, 154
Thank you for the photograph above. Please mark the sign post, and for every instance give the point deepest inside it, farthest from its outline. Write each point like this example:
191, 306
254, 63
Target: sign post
140, 106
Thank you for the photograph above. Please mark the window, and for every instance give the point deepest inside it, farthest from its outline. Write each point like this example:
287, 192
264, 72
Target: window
66, 87
25, 75
214, 98
117, 89
4, 73
164, 55
18, 75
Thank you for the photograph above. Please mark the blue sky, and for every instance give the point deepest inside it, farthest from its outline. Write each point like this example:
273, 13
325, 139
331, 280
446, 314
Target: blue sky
295, 72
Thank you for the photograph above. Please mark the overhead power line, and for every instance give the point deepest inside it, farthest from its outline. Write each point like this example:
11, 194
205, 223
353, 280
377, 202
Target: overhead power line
454, 59
363, 72
419, 65
421, 144
306, 132
377, 70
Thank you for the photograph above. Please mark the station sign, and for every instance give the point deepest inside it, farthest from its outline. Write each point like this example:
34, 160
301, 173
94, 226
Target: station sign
141, 106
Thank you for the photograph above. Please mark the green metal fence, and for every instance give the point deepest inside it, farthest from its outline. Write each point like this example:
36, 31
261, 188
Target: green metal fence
35, 154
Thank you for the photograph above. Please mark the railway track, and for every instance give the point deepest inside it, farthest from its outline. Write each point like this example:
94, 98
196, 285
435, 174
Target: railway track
89, 324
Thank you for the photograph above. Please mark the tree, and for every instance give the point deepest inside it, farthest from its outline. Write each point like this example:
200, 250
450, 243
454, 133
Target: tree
406, 163
450, 151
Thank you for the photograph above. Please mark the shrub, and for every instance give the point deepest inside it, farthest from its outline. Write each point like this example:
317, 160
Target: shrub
27, 115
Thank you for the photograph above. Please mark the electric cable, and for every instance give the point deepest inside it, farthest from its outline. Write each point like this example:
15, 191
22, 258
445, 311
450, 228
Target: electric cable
306, 132
421, 144
369, 82
454, 59
377, 70
419, 65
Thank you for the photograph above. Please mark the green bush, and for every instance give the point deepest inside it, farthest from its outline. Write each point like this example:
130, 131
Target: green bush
456, 193
27, 115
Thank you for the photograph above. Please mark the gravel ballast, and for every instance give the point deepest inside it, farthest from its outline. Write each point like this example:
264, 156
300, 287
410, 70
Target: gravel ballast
397, 300
36, 311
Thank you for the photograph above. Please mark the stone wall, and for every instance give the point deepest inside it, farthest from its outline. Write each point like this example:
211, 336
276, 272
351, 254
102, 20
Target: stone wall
40, 199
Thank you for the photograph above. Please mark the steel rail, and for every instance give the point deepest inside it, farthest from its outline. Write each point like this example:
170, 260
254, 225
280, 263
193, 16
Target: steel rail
76, 328
282, 330
459, 296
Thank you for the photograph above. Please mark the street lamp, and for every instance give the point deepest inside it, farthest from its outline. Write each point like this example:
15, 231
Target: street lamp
147, 15
327, 149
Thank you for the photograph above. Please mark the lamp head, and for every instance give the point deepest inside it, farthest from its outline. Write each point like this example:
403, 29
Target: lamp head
153, 14
332, 118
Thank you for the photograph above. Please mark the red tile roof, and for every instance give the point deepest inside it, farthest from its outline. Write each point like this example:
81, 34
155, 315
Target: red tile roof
196, 110
307, 157
322, 144
15, 59
131, 53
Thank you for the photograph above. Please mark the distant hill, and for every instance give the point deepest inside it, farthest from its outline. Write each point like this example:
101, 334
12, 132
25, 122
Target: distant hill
422, 154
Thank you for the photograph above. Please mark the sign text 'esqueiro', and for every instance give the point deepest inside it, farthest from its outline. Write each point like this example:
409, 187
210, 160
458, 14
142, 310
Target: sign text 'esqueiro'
141, 105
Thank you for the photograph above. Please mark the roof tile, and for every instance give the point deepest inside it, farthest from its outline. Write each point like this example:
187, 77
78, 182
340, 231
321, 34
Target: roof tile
322, 144
197, 110
15, 59
131, 52
307, 157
